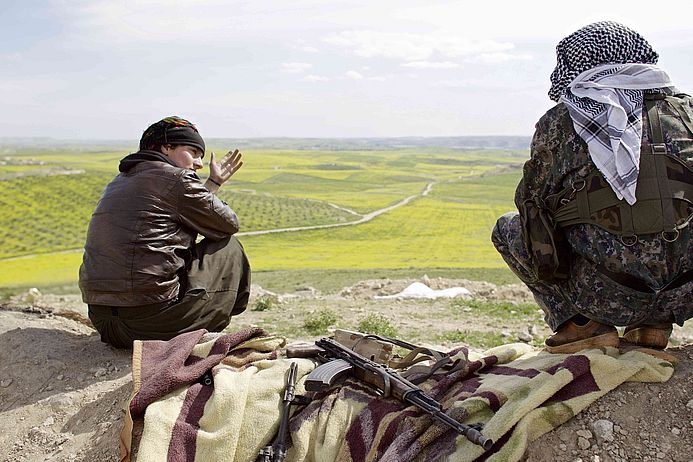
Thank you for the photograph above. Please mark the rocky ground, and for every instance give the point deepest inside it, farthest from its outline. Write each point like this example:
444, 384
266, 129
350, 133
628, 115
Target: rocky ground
62, 392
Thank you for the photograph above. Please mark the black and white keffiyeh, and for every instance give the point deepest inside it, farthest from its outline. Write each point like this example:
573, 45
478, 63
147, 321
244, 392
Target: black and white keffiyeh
604, 42
605, 104
601, 73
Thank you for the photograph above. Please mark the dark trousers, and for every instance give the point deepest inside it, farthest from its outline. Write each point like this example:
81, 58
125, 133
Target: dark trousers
216, 287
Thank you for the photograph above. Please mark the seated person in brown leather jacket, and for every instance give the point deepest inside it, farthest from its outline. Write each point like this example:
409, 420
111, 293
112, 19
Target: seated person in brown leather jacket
143, 275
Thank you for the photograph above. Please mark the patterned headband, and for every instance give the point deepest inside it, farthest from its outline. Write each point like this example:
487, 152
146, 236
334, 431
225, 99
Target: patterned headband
172, 130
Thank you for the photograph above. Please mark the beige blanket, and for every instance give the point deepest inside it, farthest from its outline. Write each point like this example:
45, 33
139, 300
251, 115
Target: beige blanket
516, 392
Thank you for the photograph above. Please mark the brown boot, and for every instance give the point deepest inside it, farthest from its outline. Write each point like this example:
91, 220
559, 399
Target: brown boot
572, 337
655, 336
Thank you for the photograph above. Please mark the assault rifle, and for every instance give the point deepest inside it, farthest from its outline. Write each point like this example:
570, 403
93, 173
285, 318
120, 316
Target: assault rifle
340, 361
277, 450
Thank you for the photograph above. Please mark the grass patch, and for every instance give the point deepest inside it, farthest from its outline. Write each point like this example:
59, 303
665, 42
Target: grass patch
499, 310
378, 324
318, 322
474, 338
263, 303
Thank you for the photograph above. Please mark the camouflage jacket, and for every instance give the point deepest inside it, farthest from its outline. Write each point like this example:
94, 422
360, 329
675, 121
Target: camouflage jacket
560, 157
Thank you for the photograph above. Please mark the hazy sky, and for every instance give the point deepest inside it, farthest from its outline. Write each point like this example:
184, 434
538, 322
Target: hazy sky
307, 68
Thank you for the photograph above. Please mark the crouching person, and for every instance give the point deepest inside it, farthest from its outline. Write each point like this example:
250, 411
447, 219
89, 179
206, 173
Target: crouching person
603, 235
143, 274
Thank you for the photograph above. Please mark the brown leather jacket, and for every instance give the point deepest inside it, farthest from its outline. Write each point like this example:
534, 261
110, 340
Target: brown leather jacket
143, 230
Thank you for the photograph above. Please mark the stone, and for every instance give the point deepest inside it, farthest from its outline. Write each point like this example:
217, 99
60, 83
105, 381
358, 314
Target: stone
60, 403
675, 431
100, 372
584, 434
524, 337
603, 430
583, 443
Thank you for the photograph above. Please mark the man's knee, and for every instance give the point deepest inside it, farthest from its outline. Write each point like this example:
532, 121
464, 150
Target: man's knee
227, 245
500, 236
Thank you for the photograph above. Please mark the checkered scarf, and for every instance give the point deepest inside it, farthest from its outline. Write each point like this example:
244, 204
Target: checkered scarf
605, 104
601, 73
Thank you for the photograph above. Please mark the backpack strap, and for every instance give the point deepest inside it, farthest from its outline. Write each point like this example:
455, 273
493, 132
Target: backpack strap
659, 151
664, 180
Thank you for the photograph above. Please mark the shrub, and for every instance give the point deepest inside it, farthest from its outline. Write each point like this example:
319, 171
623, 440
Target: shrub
318, 322
264, 303
377, 324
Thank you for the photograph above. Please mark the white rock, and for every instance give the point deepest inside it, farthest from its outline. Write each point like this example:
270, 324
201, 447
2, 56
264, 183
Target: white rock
584, 434
524, 337
32, 295
603, 430
420, 290
675, 431
583, 443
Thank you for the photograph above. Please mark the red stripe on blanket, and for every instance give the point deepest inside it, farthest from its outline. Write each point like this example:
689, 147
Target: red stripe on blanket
494, 401
183, 443
583, 381
505, 370
362, 431
169, 365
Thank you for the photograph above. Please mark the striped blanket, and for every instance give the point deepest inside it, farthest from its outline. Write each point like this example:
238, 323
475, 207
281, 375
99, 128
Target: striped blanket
516, 392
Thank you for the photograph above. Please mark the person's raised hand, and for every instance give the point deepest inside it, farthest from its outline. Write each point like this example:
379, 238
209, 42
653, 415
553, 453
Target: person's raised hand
220, 172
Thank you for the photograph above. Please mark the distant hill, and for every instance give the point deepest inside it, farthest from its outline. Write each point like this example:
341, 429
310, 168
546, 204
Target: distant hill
332, 144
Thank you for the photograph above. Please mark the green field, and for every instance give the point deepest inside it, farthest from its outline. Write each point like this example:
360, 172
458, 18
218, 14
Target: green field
47, 196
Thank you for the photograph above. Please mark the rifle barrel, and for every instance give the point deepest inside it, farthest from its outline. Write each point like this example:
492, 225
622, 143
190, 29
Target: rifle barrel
471, 433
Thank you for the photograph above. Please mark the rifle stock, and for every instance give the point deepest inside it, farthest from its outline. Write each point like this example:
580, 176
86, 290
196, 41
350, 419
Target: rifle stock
385, 380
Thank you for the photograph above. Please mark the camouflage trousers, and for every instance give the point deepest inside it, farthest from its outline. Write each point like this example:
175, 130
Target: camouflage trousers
588, 291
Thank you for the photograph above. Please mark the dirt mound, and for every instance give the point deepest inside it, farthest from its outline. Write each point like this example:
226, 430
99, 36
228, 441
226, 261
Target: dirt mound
62, 394
480, 290
62, 391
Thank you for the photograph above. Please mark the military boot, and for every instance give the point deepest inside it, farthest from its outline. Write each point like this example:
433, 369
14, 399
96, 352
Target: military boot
654, 336
572, 337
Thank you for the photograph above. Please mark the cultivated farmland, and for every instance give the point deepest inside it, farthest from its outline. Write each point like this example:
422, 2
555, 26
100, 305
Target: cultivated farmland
47, 196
